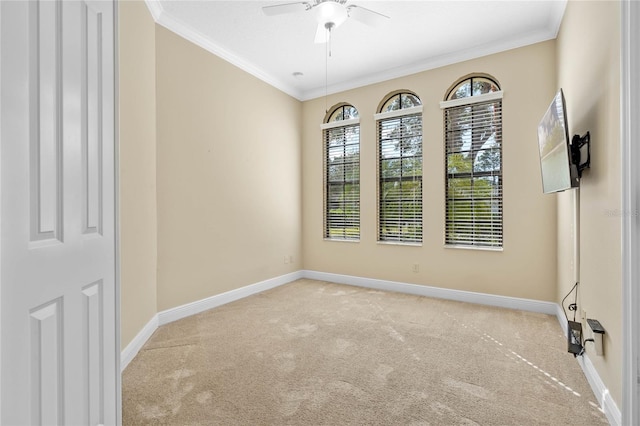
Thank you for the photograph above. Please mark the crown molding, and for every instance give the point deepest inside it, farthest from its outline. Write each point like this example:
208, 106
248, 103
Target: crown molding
557, 13
188, 33
155, 8
474, 52
435, 62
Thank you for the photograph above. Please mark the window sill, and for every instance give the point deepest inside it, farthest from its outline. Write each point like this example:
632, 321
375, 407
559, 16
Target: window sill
398, 243
480, 248
340, 240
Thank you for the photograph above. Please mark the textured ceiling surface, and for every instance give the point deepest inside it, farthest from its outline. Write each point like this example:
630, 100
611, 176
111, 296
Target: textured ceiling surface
419, 35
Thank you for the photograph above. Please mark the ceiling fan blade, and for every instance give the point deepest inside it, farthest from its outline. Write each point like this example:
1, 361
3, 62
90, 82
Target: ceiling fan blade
280, 9
366, 16
322, 34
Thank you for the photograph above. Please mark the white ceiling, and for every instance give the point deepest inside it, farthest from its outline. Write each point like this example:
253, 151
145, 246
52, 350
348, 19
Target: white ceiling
420, 35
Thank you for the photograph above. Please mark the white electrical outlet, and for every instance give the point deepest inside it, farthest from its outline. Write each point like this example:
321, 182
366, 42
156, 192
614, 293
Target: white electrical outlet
290, 259
286, 259
416, 267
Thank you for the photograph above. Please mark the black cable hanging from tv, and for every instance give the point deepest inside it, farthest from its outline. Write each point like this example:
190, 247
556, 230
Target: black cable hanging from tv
573, 306
575, 343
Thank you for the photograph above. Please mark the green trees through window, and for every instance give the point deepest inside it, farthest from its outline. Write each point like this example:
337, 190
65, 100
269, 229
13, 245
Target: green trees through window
400, 169
473, 167
473, 149
342, 174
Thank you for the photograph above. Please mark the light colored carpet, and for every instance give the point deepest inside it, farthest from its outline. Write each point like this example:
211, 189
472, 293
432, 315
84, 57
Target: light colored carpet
316, 353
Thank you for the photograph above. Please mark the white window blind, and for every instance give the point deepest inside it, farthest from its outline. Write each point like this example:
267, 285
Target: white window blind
342, 177
400, 178
473, 151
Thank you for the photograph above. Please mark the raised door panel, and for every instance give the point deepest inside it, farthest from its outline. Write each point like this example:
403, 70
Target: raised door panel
47, 366
45, 121
93, 352
92, 119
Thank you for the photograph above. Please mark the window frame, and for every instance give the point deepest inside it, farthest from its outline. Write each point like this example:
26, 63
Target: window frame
326, 127
495, 97
385, 116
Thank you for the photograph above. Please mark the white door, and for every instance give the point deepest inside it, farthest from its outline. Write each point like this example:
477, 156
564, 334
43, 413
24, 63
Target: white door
59, 359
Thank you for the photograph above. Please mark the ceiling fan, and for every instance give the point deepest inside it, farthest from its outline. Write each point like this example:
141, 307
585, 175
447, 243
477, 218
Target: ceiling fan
330, 14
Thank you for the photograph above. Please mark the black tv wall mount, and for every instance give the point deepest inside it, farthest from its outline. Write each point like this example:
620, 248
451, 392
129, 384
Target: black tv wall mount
581, 152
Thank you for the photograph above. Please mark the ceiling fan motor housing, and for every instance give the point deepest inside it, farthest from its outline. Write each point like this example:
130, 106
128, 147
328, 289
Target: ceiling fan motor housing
331, 14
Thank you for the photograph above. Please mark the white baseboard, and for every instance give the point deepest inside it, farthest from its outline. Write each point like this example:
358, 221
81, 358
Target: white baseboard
138, 342
607, 404
196, 307
562, 319
440, 293
601, 392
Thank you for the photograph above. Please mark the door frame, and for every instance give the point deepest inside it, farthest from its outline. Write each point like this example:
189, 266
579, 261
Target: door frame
116, 203
0, 211
630, 179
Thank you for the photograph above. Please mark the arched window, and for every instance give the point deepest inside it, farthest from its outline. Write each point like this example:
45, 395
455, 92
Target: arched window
473, 158
341, 135
399, 123
473, 86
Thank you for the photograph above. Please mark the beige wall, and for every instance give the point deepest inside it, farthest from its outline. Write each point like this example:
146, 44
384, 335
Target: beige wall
239, 182
138, 227
191, 141
589, 73
229, 156
527, 266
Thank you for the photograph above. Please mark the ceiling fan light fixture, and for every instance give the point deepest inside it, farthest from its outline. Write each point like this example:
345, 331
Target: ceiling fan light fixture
331, 12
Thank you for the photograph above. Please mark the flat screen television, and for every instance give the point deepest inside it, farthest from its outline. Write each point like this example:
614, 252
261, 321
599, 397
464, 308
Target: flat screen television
558, 171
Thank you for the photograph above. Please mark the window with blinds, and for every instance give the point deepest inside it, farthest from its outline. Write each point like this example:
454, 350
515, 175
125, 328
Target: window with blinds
473, 151
399, 124
341, 132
